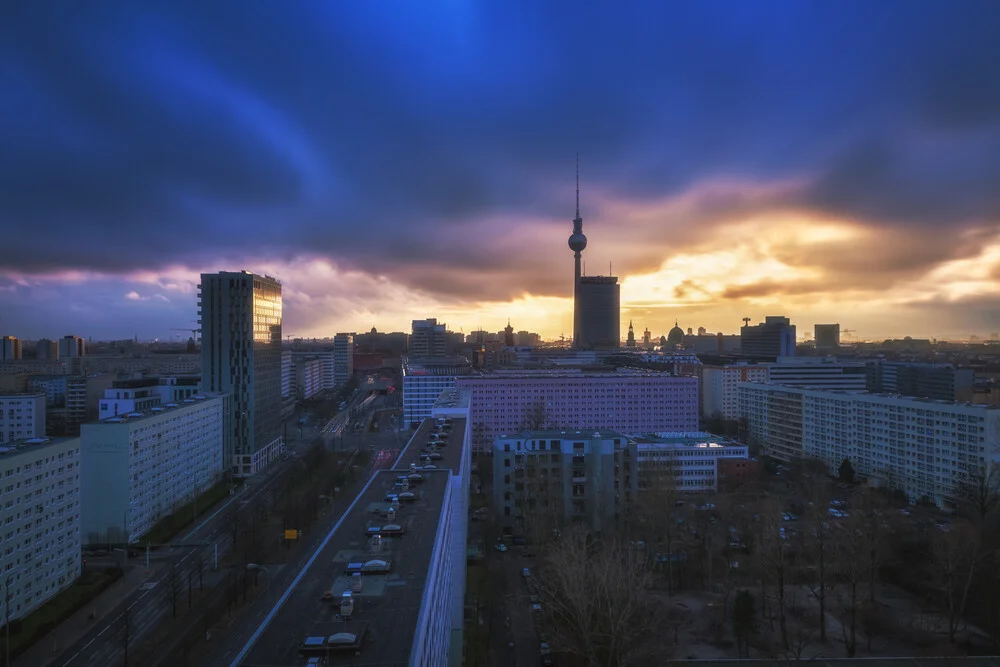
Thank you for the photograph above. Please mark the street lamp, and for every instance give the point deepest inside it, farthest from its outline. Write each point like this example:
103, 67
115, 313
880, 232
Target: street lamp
261, 568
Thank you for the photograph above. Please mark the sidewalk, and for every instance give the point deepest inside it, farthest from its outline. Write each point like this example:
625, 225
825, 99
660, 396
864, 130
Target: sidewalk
79, 624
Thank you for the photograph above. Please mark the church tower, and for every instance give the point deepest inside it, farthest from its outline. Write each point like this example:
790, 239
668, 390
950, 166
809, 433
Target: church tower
630, 341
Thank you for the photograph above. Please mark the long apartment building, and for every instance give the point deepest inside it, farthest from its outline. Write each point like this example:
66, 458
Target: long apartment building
624, 401
139, 467
22, 416
39, 521
922, 446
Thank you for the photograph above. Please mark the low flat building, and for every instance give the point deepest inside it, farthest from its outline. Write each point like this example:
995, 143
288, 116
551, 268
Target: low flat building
139, 467
691, 461
39, 520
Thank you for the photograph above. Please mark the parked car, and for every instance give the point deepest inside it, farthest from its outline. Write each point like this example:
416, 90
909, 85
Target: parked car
500, 546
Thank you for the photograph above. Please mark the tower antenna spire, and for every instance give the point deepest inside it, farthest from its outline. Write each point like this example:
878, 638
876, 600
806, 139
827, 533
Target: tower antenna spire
578, 184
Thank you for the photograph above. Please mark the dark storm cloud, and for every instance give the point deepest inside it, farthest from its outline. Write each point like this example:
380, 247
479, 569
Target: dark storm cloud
409, 139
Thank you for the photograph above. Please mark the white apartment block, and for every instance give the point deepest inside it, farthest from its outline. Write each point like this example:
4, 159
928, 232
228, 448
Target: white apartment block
39, 521
308, 377
139, 467
720, 394
922, 446
287, 374
22, 416
691, 459
420, 392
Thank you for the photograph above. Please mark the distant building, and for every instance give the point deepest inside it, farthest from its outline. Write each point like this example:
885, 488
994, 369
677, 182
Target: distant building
719, 385
528, 339
425, 379
827, 337
10, 348
627, 402
240, 316
817, 373
47, 350
630, 339
343, 359
937, 381
41, 518
287, 374
549, 477
773, 338
888, 439
308, 376
599, 302
713, 343
72, 346
22, 416
139, 467
427, 339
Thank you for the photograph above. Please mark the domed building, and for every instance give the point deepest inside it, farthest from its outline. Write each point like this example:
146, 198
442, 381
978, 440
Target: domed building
676, 336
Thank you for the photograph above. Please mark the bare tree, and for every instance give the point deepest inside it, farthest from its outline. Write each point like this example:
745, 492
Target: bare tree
956, 554
979, 493
596, 595
851, 550
772, 551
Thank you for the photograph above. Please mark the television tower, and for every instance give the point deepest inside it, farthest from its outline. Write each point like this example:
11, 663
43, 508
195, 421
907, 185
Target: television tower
577, 243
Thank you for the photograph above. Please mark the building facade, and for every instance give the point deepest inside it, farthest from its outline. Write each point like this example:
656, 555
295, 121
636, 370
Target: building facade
72, 346
139, 467
287, 374
623, 401
427, 338
39, 521
423, 382
924, 447
690, 461
941, 382
240, 317
772, 338
22, 416
818, 373
550, 477
308, 377
720, 395
343, 359
599, 303
10, 348
827, 337
47, 350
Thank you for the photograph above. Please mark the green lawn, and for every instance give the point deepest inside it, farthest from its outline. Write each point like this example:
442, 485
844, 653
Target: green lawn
167, 527
39, 622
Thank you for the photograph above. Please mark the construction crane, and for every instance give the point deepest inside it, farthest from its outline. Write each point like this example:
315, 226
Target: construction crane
849, 332
195, 333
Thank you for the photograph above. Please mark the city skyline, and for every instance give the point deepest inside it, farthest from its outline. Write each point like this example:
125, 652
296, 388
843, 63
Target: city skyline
827, 162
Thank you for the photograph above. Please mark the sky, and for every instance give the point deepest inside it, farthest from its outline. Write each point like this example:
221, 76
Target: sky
828, 161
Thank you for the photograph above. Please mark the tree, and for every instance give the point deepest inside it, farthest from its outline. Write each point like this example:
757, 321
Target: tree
535, 416
595, 594
846, 471
979, 493
744, 619
956, 554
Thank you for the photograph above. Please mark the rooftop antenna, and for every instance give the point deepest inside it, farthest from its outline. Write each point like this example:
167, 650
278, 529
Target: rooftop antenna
585, 267
578, 184
609, 270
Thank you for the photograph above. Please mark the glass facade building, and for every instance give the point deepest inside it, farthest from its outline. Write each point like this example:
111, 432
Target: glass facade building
240, 317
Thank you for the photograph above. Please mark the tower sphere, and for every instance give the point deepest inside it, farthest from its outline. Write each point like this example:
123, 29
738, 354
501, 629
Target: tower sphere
577, 242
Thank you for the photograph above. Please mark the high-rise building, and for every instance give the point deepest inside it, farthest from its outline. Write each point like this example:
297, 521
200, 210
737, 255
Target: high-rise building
41, 518
343, 358
10, 348
773, 338
47, 350
138, 467
598, 299
427, 338
22, 416
240, 317
922, 446
827, 337
72, 346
